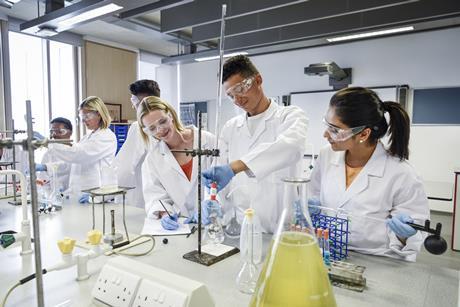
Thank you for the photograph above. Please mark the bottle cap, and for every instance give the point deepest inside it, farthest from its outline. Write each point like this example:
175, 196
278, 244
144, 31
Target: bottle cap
249, 212
326, 233
213, 190
319, 232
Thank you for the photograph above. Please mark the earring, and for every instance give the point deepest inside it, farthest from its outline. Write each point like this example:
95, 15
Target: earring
360, 141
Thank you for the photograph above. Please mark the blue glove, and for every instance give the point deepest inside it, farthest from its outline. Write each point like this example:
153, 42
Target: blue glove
170, 223
398, 225
313, 204
207, 206
38, 136
221, 174
299, 216
40, 167
84, 198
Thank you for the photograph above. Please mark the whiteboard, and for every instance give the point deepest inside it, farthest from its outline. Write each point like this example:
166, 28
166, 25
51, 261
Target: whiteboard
316, 105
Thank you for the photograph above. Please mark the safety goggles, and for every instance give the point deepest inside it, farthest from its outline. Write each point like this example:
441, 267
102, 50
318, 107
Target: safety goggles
135, 101
340, 135
58, 131
158, 126
240, 88
88, 116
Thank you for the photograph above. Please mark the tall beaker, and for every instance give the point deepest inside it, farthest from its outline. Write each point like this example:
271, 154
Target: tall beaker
294, 274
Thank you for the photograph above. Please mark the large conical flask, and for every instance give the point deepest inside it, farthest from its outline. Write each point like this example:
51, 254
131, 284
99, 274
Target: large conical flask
294, 274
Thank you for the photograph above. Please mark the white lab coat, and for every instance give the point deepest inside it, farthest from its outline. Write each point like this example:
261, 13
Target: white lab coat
384, 186
128, 162
95, 150
271, 153
163, 178
62, 170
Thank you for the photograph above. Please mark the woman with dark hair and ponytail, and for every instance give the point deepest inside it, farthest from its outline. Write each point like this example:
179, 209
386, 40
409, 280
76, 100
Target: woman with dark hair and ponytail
362, 176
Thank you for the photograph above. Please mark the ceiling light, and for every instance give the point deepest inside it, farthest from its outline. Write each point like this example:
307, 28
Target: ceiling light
46, 31
106, 9
369, 34
216, 56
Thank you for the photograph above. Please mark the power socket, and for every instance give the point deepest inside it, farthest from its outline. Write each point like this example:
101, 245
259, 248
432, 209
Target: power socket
116, 287
152, 294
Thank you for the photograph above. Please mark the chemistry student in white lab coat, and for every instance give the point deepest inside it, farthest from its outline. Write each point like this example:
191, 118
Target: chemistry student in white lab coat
168, 176
357, 174
259, 148
132, 154
60, 129
95, 150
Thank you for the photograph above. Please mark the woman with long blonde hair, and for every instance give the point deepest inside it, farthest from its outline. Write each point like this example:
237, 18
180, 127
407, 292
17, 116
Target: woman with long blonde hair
168, 176
95, 150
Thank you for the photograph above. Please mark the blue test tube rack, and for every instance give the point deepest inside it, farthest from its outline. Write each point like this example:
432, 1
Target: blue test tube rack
338, 234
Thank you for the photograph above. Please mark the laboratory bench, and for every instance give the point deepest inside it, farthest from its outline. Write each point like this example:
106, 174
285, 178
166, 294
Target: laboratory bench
389, 282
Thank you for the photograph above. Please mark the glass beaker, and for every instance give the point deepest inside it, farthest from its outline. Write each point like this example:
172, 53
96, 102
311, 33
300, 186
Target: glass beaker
294, 274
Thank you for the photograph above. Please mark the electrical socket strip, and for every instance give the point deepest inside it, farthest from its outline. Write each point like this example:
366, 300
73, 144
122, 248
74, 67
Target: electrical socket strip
116, 287
124, 282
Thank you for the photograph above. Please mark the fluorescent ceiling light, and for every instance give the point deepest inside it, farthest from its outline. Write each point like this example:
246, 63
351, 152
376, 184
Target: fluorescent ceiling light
46, 32
217, 56
106, 9
369, 34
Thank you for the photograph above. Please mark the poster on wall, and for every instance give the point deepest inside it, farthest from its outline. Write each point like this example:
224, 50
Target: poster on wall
114, 111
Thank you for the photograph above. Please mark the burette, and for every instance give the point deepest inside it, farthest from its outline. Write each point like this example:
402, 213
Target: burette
433, 243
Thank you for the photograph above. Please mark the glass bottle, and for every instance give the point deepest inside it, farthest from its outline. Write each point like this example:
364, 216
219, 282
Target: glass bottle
250, 252
293, 273
214, 231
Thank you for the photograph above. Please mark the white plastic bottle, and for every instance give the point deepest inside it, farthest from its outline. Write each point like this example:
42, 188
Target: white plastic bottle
251, 253
251, 228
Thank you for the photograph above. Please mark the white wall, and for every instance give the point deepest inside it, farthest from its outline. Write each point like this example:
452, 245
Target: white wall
428, 59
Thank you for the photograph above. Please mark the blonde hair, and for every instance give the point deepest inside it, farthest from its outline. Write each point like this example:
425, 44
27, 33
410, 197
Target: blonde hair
153, 103
95, 104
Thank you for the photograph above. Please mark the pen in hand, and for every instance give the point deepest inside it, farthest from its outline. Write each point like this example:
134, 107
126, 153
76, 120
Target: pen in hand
191, 231
165, 209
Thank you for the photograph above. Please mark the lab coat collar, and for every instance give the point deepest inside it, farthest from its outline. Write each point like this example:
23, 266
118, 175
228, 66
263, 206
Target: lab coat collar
267, 114
169, 157
374, 167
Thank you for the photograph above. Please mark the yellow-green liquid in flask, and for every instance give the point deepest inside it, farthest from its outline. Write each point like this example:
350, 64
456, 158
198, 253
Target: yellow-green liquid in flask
298, 276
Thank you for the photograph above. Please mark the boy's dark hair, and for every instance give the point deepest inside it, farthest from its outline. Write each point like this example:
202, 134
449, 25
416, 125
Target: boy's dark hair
61, 120
239, 64
146, 87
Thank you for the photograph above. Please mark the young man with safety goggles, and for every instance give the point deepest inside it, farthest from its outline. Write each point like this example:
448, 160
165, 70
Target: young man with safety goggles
60, 129
258, 148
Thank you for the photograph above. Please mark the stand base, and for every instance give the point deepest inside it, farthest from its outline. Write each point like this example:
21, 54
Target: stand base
18, 202
207, 259
113, 238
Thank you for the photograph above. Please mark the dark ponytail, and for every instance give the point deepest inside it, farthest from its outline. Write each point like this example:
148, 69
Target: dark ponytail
359, 106
399, 129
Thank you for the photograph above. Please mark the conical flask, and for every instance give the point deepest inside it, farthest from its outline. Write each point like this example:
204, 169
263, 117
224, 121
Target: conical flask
294, 274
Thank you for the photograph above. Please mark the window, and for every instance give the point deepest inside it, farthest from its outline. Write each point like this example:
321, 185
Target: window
30, 76
62, 77
28, 80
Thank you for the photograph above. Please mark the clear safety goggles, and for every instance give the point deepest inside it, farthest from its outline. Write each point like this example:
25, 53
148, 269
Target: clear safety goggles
135, 101
240, 88
340, 135
158, 126
58, 131
88, 116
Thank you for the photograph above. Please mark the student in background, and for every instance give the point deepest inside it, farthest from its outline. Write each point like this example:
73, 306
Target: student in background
132, 154
95, 150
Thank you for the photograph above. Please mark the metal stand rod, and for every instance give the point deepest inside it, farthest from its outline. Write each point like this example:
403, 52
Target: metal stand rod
14, 165
199, 184
124, 217
33, 192
94, 215
103, 215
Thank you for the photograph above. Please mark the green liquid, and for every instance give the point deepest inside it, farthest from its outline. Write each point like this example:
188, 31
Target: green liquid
298, 276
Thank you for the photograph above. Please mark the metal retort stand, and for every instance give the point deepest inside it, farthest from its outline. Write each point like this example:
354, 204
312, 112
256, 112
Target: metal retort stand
30, 145
12, 165
113, 238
